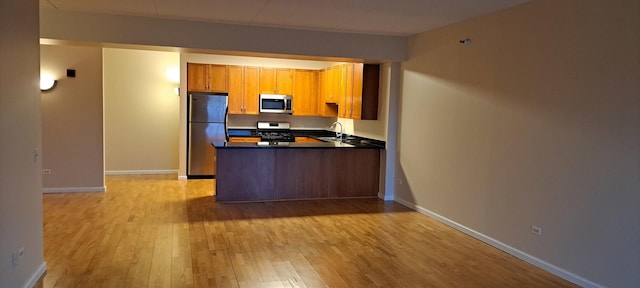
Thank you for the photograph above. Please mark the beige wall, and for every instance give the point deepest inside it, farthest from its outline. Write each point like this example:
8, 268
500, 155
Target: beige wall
534, 123
141, 111
72, 130
20, 171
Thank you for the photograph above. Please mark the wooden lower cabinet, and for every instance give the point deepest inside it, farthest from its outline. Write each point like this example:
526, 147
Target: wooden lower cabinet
255, 174
244, 139
307, 140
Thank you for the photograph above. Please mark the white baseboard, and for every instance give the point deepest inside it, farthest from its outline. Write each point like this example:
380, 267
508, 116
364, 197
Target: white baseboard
384, 197
504, 247
183, 178
127, 172
35, 276
73, 189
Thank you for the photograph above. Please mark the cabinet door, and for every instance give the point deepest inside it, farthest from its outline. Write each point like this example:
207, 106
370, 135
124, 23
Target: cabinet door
325, 108
304, 139
251, 90
346, 95
335, 84
197, 77
236, 90
356, 99
323, 89
305, 93
284, 81
244, 139
218, 75
267, 80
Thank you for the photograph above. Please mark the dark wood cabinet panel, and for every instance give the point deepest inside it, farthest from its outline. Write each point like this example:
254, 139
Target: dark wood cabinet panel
245, 174
256, 174
355, 173
302, 173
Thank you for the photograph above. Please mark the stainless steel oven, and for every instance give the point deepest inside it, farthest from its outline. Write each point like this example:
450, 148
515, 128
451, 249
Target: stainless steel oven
275, 103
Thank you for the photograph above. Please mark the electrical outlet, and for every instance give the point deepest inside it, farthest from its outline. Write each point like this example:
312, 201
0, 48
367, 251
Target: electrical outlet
46, 171
16, 256
400, 181
536, 230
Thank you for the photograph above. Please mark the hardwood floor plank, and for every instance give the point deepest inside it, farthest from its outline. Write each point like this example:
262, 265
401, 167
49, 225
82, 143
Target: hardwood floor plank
155, 231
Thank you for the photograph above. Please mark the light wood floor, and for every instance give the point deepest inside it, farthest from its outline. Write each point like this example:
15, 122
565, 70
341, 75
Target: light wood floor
155, 231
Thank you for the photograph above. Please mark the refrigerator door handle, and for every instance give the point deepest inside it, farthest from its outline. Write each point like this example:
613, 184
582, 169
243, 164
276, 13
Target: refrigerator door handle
226, 120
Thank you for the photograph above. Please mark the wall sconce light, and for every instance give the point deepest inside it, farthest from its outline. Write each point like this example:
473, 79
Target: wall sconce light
177, 90
47, 82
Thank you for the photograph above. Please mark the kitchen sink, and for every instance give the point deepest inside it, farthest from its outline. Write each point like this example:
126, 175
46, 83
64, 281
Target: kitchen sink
328, 139
347, 139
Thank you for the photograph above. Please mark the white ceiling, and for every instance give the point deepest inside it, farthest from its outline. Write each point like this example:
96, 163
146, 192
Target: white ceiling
387, 17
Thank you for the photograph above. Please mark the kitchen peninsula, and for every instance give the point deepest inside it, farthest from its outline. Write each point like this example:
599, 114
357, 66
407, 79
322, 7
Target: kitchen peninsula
271, 171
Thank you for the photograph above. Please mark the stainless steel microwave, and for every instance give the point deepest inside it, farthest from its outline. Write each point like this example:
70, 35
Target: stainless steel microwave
276, 103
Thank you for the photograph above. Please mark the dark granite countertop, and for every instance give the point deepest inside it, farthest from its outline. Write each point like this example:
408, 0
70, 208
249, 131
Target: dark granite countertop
328, 139
285, 145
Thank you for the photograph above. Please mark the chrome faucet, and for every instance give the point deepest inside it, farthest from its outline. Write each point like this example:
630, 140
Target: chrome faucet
338, 134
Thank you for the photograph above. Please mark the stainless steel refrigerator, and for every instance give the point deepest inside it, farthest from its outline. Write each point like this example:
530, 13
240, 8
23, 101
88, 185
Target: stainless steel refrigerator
207, 124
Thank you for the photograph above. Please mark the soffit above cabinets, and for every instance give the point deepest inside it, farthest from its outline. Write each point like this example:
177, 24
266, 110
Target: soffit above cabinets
384, 17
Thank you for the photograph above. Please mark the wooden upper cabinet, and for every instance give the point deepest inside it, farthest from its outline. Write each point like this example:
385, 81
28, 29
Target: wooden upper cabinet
357, 96
346, 95
218, 76
324, 108
363, 104
251, 90
334, 84
345, 90
267, 80
236, 90
284, 81
197, 77
357, 92
243, 90
207, 77
276, 81
305, 92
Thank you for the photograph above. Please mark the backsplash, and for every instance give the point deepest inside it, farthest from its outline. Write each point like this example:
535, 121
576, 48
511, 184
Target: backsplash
297, 122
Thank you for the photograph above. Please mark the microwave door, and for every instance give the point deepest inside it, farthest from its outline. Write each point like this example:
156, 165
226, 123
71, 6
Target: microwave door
273, 105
